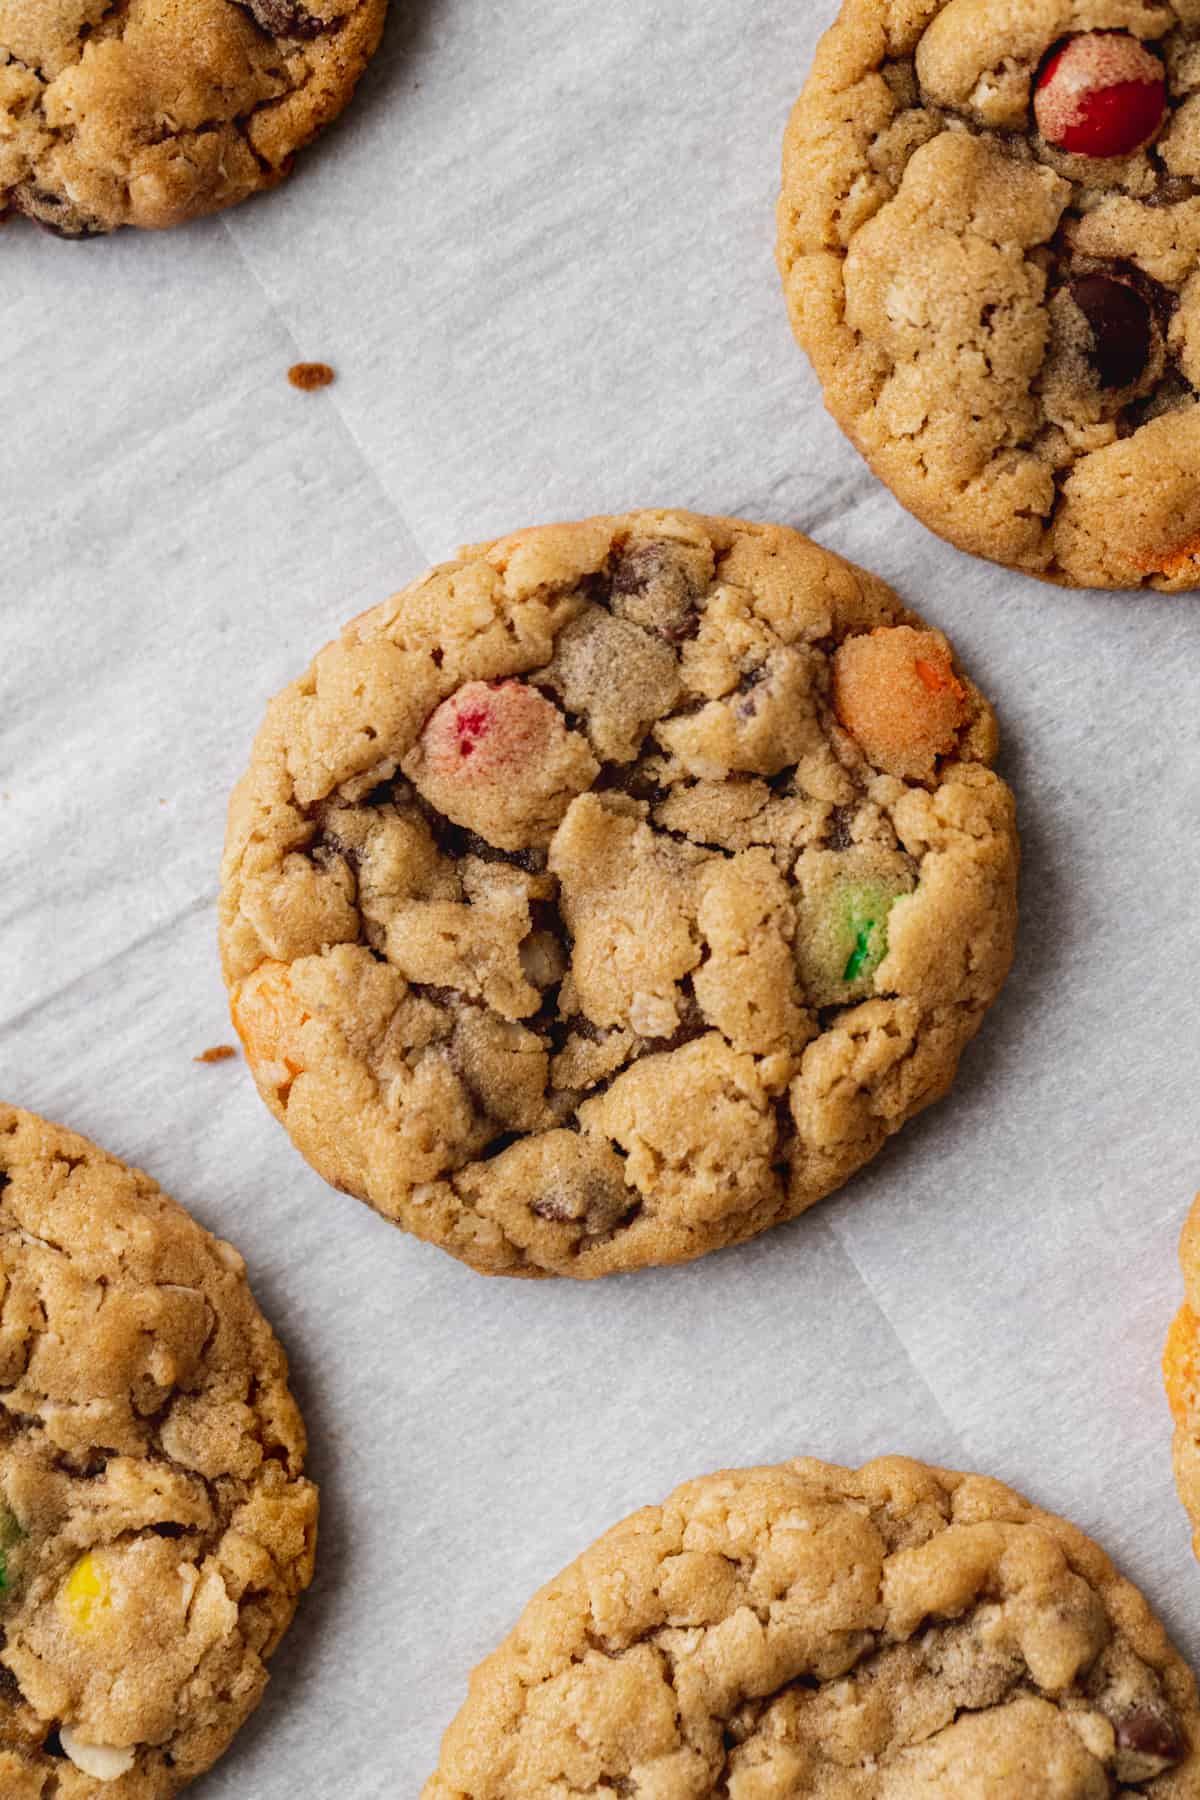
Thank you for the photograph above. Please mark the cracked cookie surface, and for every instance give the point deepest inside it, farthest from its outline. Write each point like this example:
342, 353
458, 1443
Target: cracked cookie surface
989, 236
1181, 1370
613, 892
155, 1527
891, 1633
153, 112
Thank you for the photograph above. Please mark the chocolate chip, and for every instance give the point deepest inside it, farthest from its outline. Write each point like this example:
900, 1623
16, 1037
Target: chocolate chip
500, 1144
692, 1025
552, 1207
437, 996
748, 707
1150, 1733
287, 18
1172, 190
839, 833
634, 572
457, 842
684, 630
630, 779
1121, 326
55, 214
651, 586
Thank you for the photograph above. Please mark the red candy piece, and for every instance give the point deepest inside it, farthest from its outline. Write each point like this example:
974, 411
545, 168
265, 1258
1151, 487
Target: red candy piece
1103, 94
488, 731
470, 726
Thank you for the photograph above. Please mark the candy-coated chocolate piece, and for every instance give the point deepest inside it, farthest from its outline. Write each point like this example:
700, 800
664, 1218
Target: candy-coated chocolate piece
87, 1594
11, 1535
846, 900
1103, 94
1121, 325
1179, 1362
268, 1018
490, 743
896, 693
865, 908
487, 729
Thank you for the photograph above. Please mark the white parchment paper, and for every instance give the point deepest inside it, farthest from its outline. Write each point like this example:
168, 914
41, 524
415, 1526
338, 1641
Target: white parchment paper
539, 254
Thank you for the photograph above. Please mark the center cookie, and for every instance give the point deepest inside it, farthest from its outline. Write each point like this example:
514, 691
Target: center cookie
151, 112
155, 1527
613, 892
895, 1633
989, 236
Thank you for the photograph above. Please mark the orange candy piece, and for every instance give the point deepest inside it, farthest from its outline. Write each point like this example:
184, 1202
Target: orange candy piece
1180, 1363
896, 693
268, 1017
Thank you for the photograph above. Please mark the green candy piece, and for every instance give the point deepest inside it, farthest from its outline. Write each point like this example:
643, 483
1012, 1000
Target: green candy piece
865, 907
11, 1535
843, 911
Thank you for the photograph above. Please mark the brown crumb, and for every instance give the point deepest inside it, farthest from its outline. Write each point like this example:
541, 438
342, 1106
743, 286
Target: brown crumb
218, 1053
308, 376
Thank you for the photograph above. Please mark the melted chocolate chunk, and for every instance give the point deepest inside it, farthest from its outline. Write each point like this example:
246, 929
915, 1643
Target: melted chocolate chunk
840, 830
552, 1207
747, 707
650, 585
692, 1025
638, 569
287, 18
55, 214
456, 842
1121, 323
1150, 1733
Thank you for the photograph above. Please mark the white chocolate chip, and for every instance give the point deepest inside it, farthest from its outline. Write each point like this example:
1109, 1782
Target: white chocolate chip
100, 1761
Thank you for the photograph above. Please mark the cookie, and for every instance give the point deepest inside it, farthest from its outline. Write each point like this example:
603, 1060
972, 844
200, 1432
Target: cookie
155, 1528
1181, 1370
152, 112
895, 1633
614, 891
989, 237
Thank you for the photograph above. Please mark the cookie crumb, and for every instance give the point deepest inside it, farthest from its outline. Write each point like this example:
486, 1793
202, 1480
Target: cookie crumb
218, 1053
310, 376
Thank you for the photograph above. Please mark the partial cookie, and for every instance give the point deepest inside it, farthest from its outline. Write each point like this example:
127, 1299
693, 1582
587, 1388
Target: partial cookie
152, 112
1181, 1370
614, 891
989, 236
895, 1633
155, 1527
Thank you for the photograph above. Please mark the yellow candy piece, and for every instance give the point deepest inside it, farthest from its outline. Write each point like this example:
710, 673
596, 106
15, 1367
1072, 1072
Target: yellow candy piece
86, 1594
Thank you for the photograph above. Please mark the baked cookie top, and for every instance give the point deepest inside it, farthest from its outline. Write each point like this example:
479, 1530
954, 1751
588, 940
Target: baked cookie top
155, 1529
151, 112
898, 1633
1181, 1369
615, 890
989, 236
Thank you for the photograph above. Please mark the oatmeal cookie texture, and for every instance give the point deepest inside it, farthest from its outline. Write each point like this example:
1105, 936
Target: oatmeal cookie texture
895, 1633
614, 891
155, 1528
989, 236
151, 112
1181, 1369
